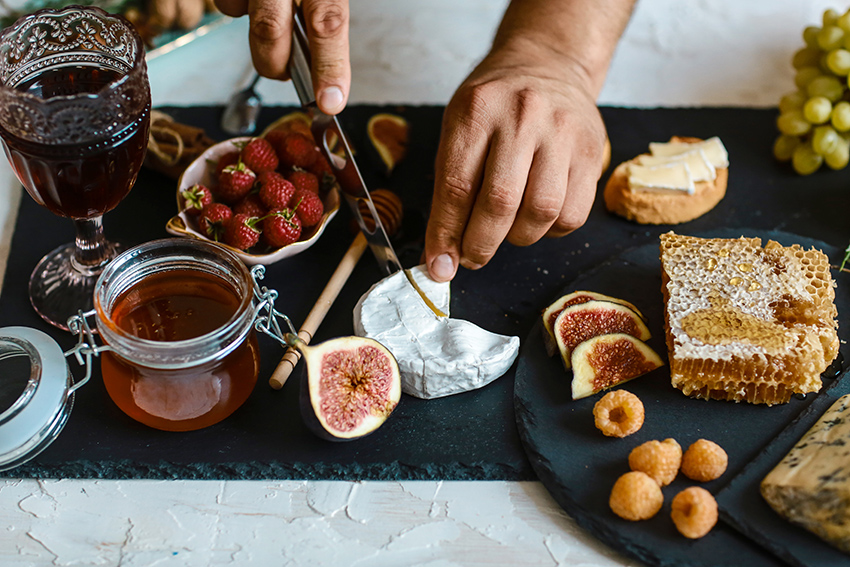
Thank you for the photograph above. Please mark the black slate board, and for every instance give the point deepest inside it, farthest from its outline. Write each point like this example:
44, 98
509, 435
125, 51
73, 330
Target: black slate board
742, 506
469, 436
579, 465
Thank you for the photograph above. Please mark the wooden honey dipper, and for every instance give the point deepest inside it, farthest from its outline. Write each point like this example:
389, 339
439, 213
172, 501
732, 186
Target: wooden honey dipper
389, 209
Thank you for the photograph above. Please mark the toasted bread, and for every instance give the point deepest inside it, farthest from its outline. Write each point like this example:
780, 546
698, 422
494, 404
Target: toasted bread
669, 207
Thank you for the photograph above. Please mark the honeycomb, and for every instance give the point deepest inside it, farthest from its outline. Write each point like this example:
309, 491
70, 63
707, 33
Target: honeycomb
746, 322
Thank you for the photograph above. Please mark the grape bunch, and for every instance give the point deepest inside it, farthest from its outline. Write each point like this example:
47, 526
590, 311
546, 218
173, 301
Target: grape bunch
814, 120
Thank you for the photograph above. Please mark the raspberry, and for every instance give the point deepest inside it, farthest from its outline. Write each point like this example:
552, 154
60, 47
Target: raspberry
214, 219
704, 460
303, 180
659, 459
321, 168
225, 160
196, 198
242, 233
258, 155
281, 228
297, 150
308, 207
235, 182
694, 511
250, 205
636, 496
618, 413
275, 191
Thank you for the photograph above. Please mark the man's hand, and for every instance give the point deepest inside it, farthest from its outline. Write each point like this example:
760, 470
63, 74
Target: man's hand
520, 154
270, 37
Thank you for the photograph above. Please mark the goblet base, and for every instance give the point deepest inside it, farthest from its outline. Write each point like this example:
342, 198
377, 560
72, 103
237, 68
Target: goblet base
60, 286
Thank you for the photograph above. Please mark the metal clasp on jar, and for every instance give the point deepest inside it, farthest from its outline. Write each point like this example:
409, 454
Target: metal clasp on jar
266, 317
86, 346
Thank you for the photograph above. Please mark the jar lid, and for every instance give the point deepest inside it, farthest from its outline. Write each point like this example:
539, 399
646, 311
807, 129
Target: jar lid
35, 394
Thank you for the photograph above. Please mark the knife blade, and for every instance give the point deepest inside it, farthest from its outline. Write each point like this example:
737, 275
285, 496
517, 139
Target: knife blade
327, 131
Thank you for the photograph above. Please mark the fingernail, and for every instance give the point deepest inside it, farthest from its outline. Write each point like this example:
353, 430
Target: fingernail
443, 267
331, 99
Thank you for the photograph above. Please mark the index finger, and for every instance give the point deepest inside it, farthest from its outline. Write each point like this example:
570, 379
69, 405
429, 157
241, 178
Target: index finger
270, 36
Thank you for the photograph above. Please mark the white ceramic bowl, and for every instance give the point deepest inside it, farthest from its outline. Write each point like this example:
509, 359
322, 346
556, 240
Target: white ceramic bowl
200, 171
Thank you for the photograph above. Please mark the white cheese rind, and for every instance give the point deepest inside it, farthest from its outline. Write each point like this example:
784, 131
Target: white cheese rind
698, 165
674, 177
713, 148
811, 485
437, 356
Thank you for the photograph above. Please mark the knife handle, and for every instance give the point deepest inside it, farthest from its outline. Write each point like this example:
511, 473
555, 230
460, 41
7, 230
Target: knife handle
320, 309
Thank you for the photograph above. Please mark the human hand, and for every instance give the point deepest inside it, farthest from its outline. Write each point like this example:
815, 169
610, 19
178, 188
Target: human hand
520, 154
270, 38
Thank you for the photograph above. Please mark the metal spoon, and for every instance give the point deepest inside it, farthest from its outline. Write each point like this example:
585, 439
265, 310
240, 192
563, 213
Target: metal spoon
240, 114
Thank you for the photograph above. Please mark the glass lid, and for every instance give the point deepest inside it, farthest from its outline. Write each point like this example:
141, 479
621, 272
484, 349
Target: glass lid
35, 394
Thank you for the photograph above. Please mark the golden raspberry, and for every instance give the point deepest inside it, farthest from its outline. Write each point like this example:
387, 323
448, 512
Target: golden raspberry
704, 460
659, 459
694, 511
618, 413
636, 496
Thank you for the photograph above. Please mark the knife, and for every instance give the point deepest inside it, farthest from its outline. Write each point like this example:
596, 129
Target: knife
326, 129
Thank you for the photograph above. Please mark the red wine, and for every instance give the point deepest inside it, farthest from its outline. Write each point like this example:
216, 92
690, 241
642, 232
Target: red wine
78, 180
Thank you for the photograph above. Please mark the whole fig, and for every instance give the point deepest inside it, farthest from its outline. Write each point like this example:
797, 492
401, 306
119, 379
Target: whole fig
349, 387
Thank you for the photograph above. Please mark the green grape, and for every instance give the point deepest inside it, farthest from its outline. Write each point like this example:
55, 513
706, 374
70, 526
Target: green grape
830, 87
830, 37
784, 147
825, 139
830, 17
838, 158
810, 36
840, 118
793, 123
842, 22
806, 57
838, 61
792, 101
805, 161
805, 76
817, 109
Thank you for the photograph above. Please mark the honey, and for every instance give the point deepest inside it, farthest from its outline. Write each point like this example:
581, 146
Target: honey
177, 317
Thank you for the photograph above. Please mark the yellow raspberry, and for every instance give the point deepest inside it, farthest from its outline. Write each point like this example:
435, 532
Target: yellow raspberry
618, 413
704, 460
694, 511
636, 496
659, 459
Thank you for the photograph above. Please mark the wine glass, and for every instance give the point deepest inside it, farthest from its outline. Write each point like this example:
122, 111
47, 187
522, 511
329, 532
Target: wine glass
74, 121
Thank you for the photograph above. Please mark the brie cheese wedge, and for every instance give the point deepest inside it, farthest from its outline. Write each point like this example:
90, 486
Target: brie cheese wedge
437, 356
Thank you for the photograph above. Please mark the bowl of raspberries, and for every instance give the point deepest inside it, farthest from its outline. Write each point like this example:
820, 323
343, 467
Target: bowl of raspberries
267, 198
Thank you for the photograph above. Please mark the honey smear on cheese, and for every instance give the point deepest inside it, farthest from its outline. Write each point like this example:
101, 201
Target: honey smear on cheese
674, 167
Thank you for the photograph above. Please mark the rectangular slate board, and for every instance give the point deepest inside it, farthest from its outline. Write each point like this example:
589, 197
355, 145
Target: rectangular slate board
468, 436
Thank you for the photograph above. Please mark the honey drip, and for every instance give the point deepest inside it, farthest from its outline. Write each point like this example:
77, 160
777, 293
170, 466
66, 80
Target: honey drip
723, 252
745, 267
735, 281
710, 264
724, 324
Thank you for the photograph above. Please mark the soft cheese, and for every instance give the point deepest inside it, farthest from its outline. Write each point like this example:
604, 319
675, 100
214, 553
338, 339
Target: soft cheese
674, 176
713, 149
698, 165
811, 485
437, 356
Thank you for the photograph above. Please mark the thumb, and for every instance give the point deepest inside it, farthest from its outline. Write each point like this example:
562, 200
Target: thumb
327, 32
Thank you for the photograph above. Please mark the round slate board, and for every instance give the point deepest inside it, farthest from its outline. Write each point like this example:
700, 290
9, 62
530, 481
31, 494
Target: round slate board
579, 465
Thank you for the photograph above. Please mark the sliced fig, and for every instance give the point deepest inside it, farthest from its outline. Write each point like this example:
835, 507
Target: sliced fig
577, 323
551, 313
604, 361
350, 386
389, 136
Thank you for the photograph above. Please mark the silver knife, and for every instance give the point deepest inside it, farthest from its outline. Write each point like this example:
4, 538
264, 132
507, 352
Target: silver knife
325, 127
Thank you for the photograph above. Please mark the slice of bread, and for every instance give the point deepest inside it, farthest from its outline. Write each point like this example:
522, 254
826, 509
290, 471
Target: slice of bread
746, 322
669, 207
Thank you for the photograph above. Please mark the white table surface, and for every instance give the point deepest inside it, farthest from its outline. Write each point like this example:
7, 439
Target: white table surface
674, 53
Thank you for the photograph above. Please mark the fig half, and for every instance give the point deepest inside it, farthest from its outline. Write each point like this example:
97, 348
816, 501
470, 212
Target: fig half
578, 323
605, 361
551, 313
389, 136
350, 386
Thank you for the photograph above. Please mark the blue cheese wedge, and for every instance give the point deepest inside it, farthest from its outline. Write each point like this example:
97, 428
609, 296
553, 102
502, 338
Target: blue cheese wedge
437, 356
713, 149
675, 177
810, 487
698, 165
